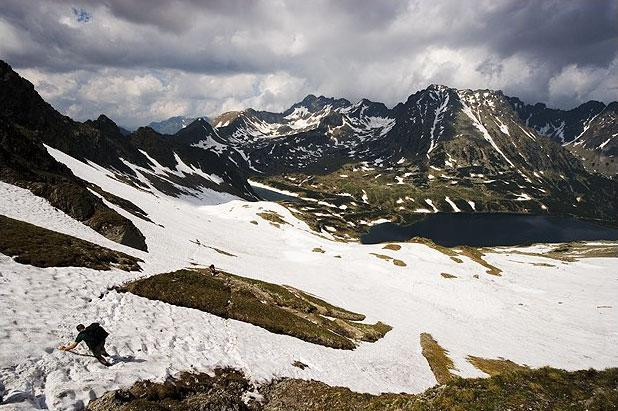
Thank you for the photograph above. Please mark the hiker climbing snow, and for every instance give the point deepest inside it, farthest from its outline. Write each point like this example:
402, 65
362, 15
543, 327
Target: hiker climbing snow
94, 336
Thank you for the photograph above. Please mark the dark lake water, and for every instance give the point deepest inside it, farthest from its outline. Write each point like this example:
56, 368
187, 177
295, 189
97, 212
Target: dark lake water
270, 195
484, 230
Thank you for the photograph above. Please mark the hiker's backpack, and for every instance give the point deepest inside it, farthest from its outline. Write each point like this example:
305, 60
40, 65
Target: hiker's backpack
97, 332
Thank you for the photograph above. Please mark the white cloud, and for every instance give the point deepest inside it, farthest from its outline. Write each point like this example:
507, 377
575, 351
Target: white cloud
133, 98
585, 83
142, 60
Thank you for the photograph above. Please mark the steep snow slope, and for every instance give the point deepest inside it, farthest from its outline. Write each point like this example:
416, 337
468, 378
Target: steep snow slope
563, 315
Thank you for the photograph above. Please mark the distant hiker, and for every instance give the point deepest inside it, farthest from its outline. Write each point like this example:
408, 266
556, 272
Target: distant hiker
94, 336
213, 271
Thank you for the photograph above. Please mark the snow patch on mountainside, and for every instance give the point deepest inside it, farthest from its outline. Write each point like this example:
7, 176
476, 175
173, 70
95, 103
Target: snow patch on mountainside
467, 110
436, 119
452, 204
209, 143
183, 168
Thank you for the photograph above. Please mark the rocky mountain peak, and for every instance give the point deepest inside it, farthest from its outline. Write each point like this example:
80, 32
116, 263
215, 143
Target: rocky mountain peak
613, 106
438, 87
104, 121
172, 124
195, 131
316, 103
366, 107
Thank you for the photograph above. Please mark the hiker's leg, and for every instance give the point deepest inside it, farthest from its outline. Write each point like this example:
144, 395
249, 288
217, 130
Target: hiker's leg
102, 360
97, 351
103, 350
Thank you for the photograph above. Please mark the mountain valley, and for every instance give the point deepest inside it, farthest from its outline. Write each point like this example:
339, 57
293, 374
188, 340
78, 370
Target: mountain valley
216, 297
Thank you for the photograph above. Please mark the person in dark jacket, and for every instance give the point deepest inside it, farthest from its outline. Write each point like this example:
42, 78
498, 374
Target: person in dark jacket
94, 336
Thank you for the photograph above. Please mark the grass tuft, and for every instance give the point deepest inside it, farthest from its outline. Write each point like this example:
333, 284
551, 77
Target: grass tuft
544, 389
438, 359
273, 218
40, 247
477, 255
398, 263
494, 366
382, 256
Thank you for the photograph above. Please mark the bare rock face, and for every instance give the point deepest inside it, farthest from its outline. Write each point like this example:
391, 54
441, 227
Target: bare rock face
25, 162
589, 131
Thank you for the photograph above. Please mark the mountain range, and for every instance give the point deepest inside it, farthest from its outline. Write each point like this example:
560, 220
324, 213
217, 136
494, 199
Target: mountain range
413, 128
351, 165
443, 149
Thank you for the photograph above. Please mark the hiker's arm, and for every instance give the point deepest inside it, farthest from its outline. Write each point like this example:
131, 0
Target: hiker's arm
68, 347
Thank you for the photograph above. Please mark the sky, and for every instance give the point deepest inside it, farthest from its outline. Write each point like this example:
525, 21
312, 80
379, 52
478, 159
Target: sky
144, 60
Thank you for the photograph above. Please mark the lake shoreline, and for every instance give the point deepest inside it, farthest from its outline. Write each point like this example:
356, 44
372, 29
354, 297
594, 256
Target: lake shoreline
491, 229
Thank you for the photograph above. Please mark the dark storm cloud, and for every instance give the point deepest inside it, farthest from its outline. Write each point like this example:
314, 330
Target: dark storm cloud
56, 46
215, 55
562, 31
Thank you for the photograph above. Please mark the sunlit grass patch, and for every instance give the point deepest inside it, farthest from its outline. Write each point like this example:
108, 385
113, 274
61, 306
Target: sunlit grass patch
40, 247
494, 366
545, 389
273, 218
570, 252
382, 256
425, 241
477, 255
438, 359
279, 309
398, 263
455, 254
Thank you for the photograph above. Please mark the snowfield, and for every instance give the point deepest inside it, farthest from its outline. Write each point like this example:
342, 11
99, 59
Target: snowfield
564, 315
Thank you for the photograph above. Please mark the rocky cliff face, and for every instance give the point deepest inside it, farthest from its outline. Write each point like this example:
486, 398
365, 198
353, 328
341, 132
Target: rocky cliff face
597, 145
589, 131
144, 158
25, 122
